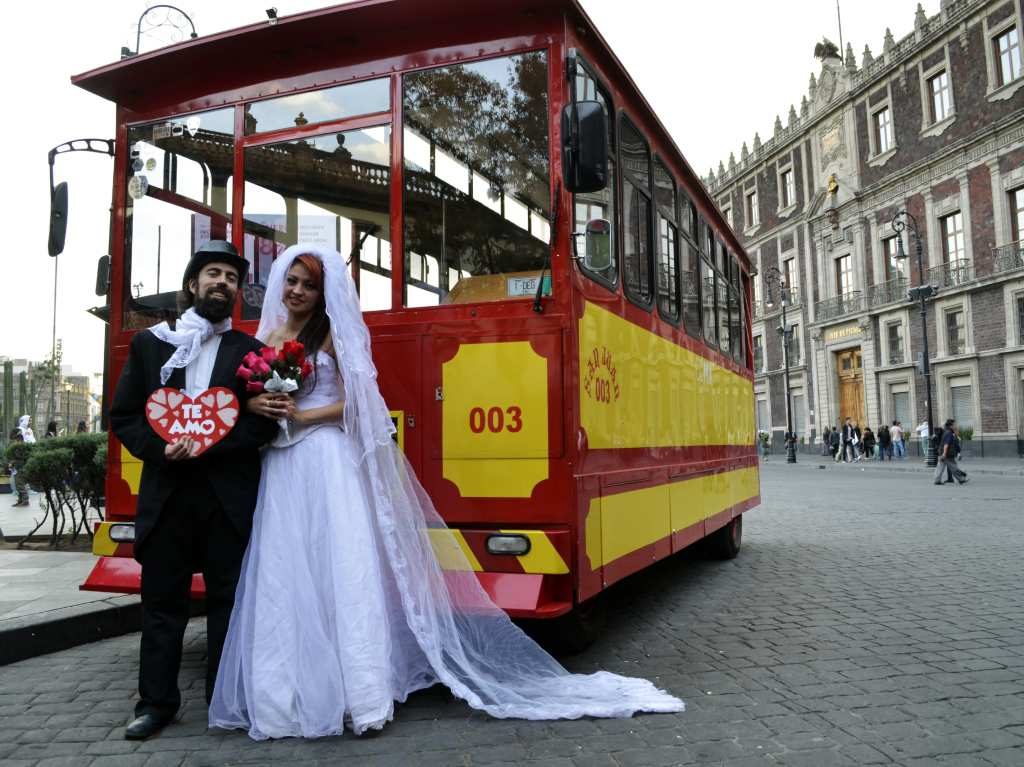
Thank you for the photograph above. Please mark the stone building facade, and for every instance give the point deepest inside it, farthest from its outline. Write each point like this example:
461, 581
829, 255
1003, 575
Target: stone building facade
933, 125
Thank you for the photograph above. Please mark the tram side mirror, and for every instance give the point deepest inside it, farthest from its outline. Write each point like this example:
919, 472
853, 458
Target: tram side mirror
58, 218
584, 147
103, 276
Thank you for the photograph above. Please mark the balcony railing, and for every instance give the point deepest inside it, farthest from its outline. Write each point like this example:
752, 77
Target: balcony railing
838, 306
792, 296
1008, 258
887, 292
952, 274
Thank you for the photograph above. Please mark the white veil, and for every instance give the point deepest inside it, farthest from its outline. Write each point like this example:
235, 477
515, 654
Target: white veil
470, 643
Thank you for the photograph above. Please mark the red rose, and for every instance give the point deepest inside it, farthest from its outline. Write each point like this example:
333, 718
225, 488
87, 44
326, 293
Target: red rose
293, 352
269, 354
254, 386
250, 359
307, 369
282, 357
244, 373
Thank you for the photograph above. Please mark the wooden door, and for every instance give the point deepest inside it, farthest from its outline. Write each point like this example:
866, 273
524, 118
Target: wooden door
851, 386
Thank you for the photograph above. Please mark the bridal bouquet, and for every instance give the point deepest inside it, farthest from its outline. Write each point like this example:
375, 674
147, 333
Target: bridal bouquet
275, 370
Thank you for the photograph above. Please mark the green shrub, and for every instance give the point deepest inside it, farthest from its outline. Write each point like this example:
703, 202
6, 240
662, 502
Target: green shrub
18, 452
967, 433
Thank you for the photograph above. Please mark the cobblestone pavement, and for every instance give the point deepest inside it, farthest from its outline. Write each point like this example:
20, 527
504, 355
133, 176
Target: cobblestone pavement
870, 619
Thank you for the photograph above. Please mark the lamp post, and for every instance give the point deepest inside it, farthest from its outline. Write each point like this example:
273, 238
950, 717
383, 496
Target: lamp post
773, 278
67, 408
921, 294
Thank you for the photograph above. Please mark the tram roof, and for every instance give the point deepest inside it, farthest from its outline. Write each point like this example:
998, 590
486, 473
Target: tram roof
295, 44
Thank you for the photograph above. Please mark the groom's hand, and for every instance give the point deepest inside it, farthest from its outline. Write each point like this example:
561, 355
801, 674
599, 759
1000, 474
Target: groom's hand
179, 450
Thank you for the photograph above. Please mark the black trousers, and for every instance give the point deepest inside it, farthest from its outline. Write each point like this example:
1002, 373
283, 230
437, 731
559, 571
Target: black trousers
193, 534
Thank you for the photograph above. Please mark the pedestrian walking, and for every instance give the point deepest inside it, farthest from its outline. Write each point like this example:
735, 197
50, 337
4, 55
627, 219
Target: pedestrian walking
836, 443
924, 433
51, 430
81, 428
869, 442
25, 429
899, 447
884, 443
826, 441
947, 456
17, 478
850, 440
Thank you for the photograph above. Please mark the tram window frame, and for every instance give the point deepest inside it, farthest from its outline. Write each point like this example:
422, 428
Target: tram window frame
645, 227
690, 239
672, 224
612, 283
707, 258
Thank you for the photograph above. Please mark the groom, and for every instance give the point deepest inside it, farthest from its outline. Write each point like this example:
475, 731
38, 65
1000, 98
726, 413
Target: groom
193, 514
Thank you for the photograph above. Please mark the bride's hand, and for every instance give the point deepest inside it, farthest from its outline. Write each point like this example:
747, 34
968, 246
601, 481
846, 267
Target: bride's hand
289, 412
268, 405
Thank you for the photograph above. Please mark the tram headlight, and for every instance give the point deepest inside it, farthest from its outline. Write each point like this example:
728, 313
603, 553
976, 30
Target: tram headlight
508, 544
122, 533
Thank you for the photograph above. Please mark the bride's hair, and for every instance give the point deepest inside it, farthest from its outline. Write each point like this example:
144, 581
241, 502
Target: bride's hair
318, 326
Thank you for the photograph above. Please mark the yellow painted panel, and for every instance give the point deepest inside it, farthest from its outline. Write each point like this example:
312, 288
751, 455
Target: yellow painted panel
638, 389
496, 478
494, 439
630, 521
619, 524
542, 557
131, 470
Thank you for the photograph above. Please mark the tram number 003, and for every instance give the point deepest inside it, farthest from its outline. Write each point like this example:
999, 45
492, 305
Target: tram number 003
496, 420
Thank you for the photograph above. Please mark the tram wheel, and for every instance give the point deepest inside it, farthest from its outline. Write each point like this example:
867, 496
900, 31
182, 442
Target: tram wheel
725, 542
576, 631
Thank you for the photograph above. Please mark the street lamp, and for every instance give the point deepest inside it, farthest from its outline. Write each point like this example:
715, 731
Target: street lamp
67, 408
773, 278
921, 294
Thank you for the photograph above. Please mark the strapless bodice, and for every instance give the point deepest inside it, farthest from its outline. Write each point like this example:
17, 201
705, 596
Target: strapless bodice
323, 387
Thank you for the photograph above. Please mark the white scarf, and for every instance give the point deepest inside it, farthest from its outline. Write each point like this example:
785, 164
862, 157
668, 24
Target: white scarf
190, 332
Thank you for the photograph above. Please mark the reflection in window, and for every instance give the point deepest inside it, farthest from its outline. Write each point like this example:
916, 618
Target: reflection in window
707, 294
330, 190
477, 196
179, 184
318, 106
597, 204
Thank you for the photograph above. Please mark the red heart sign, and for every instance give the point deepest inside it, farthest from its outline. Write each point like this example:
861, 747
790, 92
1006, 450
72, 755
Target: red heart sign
207, 419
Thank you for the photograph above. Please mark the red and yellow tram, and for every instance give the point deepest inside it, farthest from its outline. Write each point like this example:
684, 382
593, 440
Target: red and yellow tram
560, 316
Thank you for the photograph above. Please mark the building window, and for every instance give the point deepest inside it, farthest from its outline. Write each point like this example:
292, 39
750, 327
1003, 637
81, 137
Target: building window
895, 268
952, 237
956, 332
763, 422
1017, 214
844, 276
961, 401
788, 186
727, 215
752, 218
789, 274
883, 130
758, 354
799, 414
793, 345
894, 338
942, 96
1008, 61
900, 395
1020, 318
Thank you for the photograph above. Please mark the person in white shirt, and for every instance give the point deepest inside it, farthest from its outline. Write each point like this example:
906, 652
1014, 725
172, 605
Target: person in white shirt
899, 448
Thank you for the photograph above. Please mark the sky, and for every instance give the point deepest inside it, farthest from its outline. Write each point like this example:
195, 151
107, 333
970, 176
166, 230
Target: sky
714, 72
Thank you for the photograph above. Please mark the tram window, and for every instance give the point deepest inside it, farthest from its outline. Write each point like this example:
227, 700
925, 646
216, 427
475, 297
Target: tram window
599, 204
722, 310
179, 184
635, 178
735, 326
707, 294
668, 243
320, 106
477, 196
688, 216
330, 190
690, 274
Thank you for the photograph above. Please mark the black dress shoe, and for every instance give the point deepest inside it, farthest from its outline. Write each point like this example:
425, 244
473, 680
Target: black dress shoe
145, 726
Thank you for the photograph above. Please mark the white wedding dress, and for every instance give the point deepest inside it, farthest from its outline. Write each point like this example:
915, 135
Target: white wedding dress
342, 608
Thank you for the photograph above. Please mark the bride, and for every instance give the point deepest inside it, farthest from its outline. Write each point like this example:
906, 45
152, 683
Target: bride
342, 608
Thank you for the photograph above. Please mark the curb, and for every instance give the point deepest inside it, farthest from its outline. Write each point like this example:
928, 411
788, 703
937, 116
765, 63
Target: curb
912, 467
67, 627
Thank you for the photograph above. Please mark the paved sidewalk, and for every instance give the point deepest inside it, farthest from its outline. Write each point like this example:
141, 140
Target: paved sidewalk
18, 522
42, 610
1007, 467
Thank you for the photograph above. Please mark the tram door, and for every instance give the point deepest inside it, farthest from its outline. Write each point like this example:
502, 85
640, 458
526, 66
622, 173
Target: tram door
851, 385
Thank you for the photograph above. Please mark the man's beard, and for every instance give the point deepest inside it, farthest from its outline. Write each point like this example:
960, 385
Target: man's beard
214, 308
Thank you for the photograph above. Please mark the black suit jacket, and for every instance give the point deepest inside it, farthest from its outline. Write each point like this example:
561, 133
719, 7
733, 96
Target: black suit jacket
232, 466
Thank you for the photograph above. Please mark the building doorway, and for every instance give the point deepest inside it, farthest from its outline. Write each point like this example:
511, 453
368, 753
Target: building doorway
851, 385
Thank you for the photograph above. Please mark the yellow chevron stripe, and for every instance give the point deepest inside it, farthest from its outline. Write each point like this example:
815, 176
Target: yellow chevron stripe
543, 557
131, 470
451, 549
102, 545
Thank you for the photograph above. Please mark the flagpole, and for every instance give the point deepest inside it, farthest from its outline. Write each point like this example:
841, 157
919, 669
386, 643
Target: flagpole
839, 16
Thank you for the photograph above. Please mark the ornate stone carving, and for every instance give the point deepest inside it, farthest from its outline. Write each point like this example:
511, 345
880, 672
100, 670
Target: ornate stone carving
792, 116
889, 43
812, 89
778, 126
744, 154
867, 59
832, 142
851, 60
805, 107
920, 19
757, 143
732, 162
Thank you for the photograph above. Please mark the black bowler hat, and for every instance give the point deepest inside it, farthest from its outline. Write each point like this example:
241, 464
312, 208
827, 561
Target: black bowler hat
215, 251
